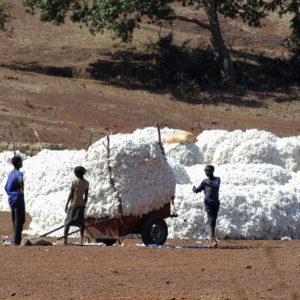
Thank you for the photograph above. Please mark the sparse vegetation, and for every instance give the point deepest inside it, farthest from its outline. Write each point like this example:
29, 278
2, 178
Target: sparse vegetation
182, 69
124, 16
131, 85
283, 7
4, 15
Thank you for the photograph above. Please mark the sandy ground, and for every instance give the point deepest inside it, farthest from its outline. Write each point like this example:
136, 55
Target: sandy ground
237, 270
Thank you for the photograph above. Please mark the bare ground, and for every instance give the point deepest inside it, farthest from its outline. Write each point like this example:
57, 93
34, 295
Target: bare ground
237, 270
47, 81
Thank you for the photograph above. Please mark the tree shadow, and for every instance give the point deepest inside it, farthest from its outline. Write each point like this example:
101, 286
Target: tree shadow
263, 73
187, 73
184, 72
34, 67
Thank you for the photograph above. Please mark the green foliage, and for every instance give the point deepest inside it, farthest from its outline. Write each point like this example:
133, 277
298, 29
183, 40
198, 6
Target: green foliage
120, 16
124, 16
4, 15
292, 7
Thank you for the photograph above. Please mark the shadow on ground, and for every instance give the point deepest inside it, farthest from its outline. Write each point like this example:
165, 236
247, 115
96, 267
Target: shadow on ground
185, 73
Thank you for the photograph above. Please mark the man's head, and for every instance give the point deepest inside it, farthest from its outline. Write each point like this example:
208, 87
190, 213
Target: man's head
17, 162
79, 171
209, 170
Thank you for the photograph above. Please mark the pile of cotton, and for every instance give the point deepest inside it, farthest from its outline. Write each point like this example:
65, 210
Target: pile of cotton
142, 177
257, 201
250, 146
289, 150
259, 193
260, 186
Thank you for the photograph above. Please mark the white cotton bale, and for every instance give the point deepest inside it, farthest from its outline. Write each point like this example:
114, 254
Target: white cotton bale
243, 174
257, 152
289, 149
180, 173
247, 147
254, 134
208, 141
142, 176
247, 212
191, 220
185, 155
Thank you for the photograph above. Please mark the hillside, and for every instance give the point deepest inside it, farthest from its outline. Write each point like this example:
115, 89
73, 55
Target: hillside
65, 81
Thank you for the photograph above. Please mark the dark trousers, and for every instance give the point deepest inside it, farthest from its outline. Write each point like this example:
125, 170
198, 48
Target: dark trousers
212, 214
18, 219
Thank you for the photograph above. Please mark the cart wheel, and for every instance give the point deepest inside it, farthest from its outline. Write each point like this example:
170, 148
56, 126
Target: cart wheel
154, 231
107, 242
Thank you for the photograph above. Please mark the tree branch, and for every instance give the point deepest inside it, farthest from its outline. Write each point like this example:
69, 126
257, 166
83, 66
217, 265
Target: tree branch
187, 19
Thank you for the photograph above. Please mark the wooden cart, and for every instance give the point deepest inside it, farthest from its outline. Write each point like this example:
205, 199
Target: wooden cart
151, 226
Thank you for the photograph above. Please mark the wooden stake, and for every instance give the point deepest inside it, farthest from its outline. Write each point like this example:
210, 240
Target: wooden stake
13, 140
37, 136
159, 140
112, 183
111, 179
90, 140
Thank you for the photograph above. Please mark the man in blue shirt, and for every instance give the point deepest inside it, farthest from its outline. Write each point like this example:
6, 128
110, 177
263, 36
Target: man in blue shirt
15, 190
210, 186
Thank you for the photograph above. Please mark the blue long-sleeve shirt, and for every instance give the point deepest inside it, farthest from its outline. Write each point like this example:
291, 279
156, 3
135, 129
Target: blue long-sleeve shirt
211, 190
14, 186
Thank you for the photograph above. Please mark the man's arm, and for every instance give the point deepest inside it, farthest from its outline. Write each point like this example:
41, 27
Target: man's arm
5, 187
21, 190
199, 188
71, 195
21, 184
86, 194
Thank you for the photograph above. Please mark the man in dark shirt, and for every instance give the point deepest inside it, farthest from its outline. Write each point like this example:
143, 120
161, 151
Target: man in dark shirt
210, 186
15, 190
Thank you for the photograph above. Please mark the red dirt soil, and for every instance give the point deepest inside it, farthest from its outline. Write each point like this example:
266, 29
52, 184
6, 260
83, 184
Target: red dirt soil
34, 91
237, 270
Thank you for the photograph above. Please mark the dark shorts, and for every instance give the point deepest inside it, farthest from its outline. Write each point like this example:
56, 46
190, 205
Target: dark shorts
75, 216
212, 214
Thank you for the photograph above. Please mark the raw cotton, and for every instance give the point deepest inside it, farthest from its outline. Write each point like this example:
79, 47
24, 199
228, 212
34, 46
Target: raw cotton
260, 190
142, 176
250, 146
257, 201
259, 194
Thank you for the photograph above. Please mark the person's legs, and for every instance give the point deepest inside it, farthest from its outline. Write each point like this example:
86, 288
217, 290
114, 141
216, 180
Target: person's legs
66, 231
212, 214
13, 218
19, 220
81, 234
81, 222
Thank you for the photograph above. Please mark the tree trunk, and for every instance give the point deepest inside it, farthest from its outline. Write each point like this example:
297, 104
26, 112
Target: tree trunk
219, 45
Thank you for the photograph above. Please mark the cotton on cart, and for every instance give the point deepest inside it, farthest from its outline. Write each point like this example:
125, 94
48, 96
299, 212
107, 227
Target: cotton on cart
141, 184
